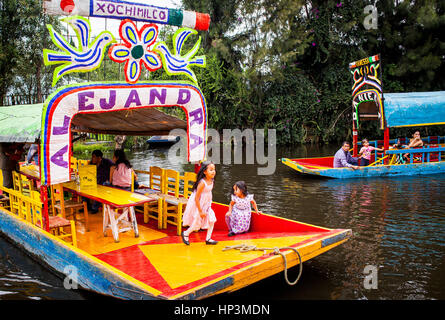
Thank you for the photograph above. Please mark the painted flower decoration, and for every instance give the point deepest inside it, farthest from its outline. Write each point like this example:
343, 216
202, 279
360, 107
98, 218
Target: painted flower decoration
177, 63
135, 51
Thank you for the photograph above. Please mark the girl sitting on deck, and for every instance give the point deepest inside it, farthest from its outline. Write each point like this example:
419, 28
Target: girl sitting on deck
120, 173
198, 214
239, 214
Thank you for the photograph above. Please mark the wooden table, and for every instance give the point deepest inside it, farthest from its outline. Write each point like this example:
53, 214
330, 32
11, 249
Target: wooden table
113, 198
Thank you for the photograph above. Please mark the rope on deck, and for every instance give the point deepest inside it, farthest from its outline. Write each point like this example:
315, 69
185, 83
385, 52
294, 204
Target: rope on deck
246, 248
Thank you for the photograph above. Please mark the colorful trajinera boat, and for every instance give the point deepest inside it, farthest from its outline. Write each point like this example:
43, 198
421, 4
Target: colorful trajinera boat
392, 110
143, 256
162, 141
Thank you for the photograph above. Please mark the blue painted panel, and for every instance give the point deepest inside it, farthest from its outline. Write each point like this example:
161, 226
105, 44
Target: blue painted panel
385, 171
414, 108
335, 239
91, 274
420, 150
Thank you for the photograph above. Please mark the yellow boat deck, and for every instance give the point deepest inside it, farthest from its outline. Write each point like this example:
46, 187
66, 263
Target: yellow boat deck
159, 259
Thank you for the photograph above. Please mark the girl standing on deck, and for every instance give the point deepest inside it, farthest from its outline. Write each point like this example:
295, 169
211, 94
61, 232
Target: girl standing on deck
365, 153
239, 214
198, 214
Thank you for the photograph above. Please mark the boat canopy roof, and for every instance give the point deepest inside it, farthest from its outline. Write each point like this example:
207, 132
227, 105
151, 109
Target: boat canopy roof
22, 123
414, 108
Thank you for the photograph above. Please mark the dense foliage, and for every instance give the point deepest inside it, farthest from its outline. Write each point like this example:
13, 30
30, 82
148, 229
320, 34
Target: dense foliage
280, 64
283, 64
23, 35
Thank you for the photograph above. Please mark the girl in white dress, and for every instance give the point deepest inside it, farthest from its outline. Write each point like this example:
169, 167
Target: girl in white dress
198, 213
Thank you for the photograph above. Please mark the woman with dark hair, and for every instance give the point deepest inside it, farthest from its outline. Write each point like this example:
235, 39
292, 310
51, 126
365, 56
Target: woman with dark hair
120, 173
239, 215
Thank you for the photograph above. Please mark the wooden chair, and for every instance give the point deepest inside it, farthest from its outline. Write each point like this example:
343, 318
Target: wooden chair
73, 165
26, 185
175, 203
81, 162
156, 188
57, 224
4, 202
17, 186
18, 205
156, 180
61, 206
170, 195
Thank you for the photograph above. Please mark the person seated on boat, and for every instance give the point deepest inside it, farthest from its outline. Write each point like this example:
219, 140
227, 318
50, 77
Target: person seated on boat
10, 154
365, 153
103, 166
239, 214
399, 145
415, 142
33, 154
102, 176
343, 157
120, 173
399, 159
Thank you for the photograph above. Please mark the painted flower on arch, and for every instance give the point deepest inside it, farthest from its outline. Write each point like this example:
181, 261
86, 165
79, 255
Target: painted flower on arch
135, 49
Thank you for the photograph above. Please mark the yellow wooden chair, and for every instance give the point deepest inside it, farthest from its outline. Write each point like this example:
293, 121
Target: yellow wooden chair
170, 196
154, 209
174, 203
18, 205
73, 165
37, 209
68, 208
57, 225
17, 186
81, 162
4, 202
26, 185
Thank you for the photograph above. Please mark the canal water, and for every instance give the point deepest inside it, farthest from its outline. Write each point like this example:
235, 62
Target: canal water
398, 229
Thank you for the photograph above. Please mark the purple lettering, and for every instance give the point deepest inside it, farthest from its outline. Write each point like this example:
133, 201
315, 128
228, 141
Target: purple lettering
140, 12
128, 11
196, 141
112, 7
184, 96
133, 97
100, 7
82, 96
196, 116
160, 96
119, 6
154, 14
63, 129
162, 15
57, 158
108, 105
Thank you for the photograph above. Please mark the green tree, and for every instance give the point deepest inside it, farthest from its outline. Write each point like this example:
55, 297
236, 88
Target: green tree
23, 37
411, 41
9, 52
